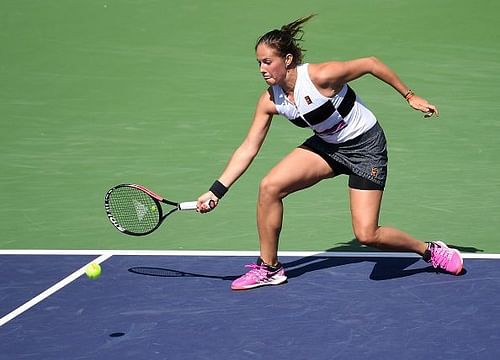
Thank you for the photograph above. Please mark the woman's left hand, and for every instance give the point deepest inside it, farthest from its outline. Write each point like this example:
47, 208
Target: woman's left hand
423, 105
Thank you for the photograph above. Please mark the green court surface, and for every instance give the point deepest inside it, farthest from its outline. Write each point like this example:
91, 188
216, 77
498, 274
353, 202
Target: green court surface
96, 92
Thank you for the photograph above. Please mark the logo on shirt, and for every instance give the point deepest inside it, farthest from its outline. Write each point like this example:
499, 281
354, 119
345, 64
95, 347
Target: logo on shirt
308, 100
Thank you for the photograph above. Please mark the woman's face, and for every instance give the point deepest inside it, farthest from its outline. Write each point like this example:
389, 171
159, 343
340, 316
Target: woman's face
271, 65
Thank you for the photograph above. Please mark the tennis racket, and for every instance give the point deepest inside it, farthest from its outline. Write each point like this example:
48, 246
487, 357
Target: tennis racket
135, 210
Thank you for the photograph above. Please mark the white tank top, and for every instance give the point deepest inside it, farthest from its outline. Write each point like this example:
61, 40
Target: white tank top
332, 119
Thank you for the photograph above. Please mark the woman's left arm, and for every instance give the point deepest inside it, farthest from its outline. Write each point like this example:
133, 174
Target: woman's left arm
331, 74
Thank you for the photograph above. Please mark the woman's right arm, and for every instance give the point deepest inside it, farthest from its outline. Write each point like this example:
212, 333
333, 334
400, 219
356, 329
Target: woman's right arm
248, 149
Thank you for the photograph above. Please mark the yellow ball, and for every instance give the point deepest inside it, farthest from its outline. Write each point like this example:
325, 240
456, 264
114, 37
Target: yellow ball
93, 271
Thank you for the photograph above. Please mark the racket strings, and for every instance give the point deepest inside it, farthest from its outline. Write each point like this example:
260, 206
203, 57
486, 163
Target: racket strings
134, 210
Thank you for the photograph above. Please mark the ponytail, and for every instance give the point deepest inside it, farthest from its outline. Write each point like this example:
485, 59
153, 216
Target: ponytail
286, 40
294, 29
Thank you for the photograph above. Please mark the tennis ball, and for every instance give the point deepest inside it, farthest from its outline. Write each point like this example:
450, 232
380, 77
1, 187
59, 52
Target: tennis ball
93, 271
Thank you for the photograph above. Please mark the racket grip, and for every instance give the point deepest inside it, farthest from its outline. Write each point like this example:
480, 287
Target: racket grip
188, 205
191, 205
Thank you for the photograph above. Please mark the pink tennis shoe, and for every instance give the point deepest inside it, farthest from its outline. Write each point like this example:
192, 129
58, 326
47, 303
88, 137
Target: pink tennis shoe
441, 256
260, 275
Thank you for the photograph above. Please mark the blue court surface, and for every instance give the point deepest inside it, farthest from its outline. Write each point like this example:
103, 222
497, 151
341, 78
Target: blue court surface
180, 306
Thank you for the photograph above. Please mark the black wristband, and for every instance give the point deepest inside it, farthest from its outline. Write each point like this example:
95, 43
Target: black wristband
218, 189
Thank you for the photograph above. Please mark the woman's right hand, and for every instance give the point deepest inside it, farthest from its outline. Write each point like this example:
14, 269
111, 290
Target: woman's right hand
206, 202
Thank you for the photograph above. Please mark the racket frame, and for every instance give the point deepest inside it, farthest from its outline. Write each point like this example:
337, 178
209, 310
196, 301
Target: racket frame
190, 205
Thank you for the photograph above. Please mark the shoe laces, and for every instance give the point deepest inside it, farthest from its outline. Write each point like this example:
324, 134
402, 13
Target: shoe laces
440, 256
257, 271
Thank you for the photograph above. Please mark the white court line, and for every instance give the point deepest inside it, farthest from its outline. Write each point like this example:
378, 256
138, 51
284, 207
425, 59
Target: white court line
362, 254
50, 291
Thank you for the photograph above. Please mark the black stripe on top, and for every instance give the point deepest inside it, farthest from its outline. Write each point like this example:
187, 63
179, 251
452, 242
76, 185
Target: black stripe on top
299, 122
326, 110
320, 114
347, 103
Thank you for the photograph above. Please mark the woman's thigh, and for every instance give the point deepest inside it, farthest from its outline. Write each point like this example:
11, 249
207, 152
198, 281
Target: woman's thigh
300, 169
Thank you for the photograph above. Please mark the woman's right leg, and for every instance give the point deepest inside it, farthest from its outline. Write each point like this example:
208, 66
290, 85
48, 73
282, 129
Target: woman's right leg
300, 169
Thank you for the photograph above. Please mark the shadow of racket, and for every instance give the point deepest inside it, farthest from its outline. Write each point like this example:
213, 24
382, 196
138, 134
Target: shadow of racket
170, 273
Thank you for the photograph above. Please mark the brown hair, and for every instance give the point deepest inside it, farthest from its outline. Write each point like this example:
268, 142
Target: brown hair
286, 40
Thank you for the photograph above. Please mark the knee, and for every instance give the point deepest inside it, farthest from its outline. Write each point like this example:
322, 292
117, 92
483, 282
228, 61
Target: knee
270, 188
366, 236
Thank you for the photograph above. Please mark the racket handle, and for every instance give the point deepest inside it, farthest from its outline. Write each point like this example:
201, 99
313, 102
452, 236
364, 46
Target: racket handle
191, 205
188, 205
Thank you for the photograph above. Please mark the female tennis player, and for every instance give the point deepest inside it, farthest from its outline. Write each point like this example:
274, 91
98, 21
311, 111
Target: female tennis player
347, 139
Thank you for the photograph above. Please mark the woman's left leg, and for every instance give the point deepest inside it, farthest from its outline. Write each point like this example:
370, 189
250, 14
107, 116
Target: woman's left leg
365, 209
